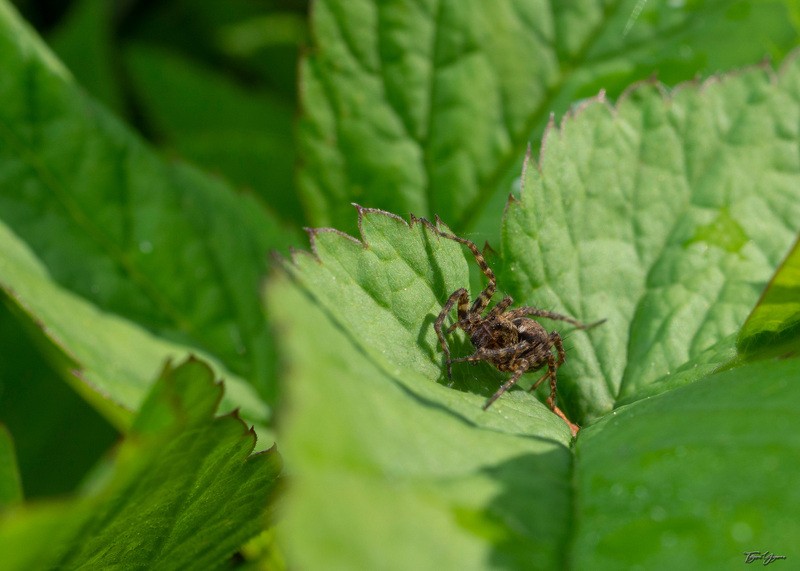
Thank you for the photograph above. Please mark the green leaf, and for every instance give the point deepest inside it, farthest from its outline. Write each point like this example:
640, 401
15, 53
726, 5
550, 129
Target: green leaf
385, 291
369, 430
428, 108
665, 214
258, 42
10, 484
170, 249
263, 31
692, 478
108, 359
183, 492
775, 321
245, 134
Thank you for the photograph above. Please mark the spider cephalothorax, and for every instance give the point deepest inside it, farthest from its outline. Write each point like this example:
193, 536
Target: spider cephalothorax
507, 338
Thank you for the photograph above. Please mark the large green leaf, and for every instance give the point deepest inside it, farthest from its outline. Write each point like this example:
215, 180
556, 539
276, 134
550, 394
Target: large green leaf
376, 446
666, 215
692, 478
172, 250
427, 107
183, 491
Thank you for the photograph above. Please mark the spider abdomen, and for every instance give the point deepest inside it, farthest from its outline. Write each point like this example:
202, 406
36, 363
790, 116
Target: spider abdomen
507, 338
493, 334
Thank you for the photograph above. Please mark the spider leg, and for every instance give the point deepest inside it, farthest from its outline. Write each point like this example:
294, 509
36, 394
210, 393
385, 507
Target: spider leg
523, 366
552, 366
536, 312
462, 310
539, 381
555, 339
485, 296
501, 306
490, 354
551, 372
573, 428
462, 297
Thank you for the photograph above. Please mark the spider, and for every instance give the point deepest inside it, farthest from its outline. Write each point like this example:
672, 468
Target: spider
508, 339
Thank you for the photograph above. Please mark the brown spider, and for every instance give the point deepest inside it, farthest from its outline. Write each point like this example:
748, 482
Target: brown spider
508, 339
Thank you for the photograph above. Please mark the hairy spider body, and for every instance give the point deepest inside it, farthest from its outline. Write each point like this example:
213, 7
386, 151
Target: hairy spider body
508, 339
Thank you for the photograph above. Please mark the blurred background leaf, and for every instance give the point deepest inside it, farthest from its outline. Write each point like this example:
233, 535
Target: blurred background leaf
109, 360
161, 244
205, 117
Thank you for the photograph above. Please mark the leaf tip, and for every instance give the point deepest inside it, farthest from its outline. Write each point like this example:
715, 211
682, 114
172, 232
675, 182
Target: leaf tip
364, 212
313, 235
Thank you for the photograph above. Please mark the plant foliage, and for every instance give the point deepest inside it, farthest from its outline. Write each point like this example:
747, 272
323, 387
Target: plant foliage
665, 207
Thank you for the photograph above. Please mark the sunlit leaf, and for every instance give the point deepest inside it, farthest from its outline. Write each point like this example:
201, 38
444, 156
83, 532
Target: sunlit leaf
666, 214
427, 107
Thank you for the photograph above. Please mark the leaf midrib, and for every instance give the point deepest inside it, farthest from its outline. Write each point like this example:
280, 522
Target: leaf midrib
485, 191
